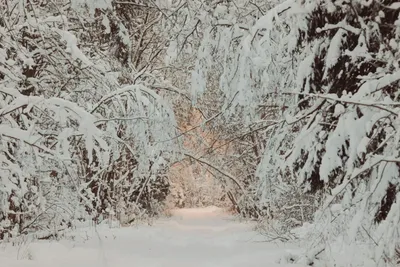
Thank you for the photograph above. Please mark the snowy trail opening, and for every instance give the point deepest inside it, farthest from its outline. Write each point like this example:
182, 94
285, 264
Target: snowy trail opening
191, 237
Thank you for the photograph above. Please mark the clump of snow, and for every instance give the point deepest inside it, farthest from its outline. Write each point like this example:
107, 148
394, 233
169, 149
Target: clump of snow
339, 110
91, 5
72, 47
334, 52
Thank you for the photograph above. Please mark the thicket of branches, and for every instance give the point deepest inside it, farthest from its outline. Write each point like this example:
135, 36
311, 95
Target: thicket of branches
298, 103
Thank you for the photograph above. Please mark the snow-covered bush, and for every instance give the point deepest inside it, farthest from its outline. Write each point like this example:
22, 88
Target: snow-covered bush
83, 134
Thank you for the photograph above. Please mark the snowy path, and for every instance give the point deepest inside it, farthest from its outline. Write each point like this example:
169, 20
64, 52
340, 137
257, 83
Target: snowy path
198, 237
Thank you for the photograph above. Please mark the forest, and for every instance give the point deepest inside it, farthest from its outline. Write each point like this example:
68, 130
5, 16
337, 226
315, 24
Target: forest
284, 112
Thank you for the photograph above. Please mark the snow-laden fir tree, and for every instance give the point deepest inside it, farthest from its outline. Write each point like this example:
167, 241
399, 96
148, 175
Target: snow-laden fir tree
347, 145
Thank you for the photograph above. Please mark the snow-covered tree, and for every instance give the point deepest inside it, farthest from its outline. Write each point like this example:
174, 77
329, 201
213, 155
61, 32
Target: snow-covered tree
332, 68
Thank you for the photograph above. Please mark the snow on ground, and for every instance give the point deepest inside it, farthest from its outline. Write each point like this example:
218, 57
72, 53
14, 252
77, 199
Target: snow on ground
191, 237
